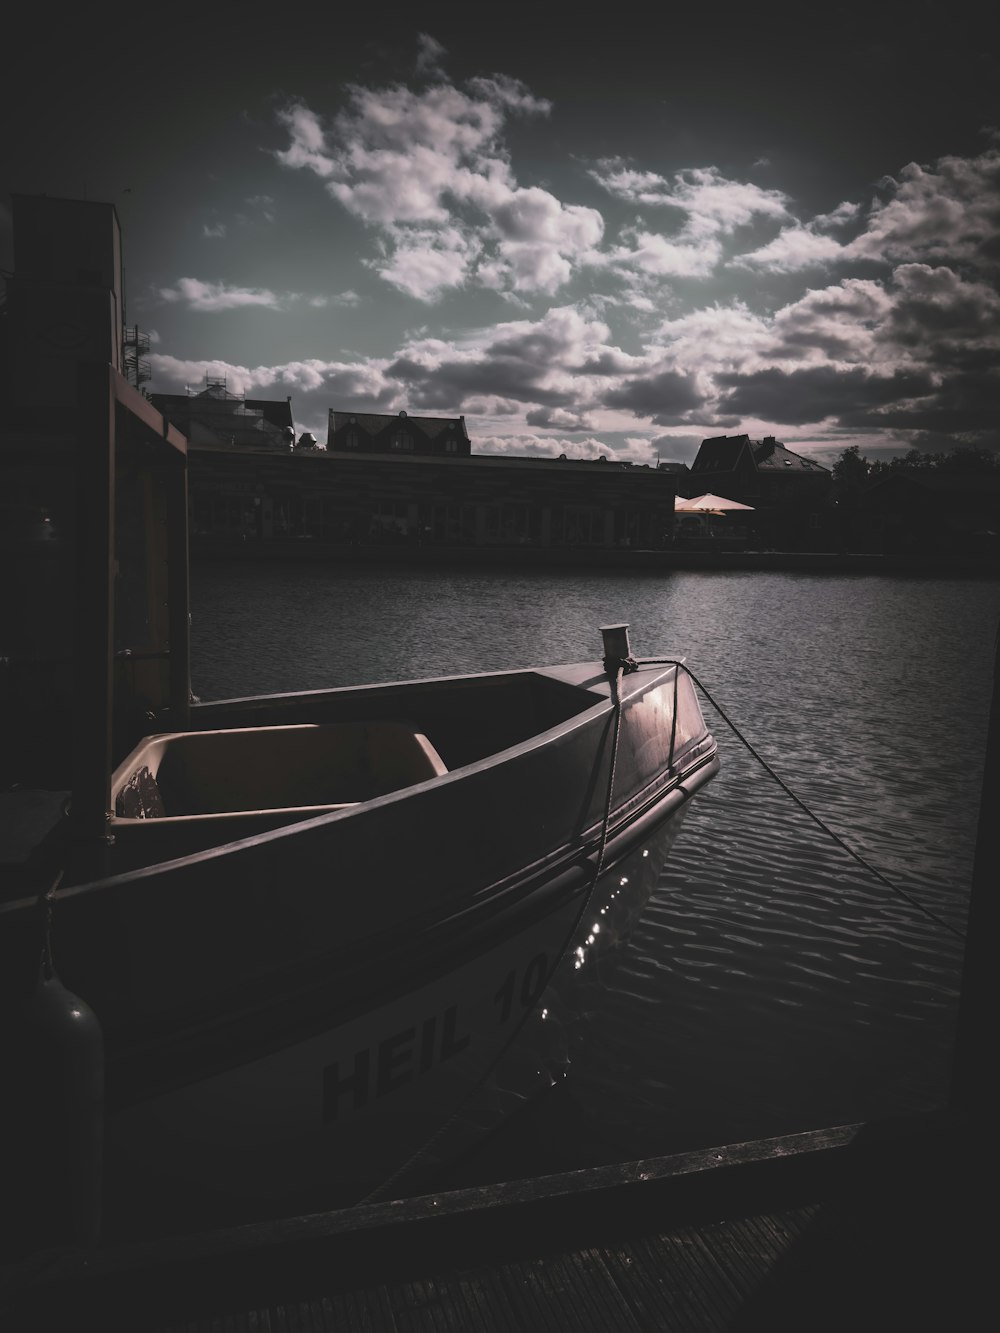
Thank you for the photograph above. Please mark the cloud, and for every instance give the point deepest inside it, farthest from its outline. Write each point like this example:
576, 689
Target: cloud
213, 231
843, 324
429, 54
717, 337
792, 249
211, 297
215, 296
874, 316
665, 396
944, 315
948, 213
653, 254
910, 355
262, 209
710, 204
844, 214
540, 364
429, 171
707, 207
424, 262
818, 393
633, 450
559, 418
676, 448
341, 381
393, 154
539, 237
307, 150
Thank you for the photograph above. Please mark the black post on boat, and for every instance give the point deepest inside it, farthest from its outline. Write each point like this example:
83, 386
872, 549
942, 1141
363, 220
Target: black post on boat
973, 1073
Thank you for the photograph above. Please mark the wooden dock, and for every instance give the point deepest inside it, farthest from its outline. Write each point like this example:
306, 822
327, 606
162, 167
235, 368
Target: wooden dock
861, 1227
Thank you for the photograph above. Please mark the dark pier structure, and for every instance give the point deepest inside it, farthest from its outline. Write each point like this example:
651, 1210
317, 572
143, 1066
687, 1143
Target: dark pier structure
862, 1227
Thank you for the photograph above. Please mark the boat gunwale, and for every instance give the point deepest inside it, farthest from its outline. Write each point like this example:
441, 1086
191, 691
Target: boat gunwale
652, 676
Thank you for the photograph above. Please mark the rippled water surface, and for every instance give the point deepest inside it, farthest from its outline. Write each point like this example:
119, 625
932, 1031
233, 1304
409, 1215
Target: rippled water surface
773, 983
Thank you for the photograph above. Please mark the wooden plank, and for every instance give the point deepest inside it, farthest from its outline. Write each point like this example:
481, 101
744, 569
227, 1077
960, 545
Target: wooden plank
627, 1253
650, 1296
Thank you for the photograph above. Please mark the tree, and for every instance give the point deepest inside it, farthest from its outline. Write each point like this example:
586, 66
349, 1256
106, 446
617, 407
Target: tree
850, 474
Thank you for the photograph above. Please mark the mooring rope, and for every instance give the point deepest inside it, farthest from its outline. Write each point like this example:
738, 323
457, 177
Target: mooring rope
915, 903
616, 704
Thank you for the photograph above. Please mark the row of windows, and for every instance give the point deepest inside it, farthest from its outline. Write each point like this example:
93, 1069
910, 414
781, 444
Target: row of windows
325, 518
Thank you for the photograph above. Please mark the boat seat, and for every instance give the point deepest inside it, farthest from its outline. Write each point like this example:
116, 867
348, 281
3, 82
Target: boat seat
262, 769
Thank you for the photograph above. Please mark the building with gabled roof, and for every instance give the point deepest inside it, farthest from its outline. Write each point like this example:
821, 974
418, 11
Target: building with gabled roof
216, 417
758, 469
791, 494
399, 433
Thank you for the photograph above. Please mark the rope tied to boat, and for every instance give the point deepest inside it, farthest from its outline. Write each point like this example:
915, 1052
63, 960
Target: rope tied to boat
614, 675
913, 902
44, 904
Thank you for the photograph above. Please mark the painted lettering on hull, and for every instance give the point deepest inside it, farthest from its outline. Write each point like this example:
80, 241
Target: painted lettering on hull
377, 1071
388, 1065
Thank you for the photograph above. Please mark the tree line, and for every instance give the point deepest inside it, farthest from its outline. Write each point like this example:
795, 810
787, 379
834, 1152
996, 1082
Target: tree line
853, 471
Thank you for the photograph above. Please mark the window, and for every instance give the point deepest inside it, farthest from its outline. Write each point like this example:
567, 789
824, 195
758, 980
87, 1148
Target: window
390, 521
511, 524
582, 525
402, 442
351, 440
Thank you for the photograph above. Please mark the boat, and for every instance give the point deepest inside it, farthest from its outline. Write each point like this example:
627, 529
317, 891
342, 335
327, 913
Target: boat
268, 954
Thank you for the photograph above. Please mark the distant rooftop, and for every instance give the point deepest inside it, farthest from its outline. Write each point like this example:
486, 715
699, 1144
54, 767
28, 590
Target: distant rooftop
722, 453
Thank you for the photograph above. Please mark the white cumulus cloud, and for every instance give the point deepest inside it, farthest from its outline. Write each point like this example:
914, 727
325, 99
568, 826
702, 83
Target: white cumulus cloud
411, 162
711, 204
214, 296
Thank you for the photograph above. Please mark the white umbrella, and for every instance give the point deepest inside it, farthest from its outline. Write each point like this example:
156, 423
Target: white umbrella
703, 504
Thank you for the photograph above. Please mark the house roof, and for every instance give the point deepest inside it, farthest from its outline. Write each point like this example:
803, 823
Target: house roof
372, 423
770, 455
278, 411
722, 450
231, 419
721, 453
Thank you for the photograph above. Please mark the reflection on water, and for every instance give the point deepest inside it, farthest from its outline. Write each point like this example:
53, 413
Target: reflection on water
772, 983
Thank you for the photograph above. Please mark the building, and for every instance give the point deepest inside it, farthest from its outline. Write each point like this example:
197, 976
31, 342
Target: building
379, 433
398, 498
215, 417
790, 494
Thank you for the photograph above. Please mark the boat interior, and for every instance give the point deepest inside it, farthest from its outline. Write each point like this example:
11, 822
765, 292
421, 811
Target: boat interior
221, 782
465, 718
206, 774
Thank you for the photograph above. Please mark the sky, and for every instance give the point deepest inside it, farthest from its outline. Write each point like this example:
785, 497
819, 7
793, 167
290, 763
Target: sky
614, 231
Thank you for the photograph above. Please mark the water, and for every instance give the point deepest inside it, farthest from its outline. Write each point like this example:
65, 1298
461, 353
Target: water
773, 984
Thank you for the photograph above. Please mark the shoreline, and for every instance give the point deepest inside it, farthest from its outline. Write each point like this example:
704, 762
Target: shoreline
932, 565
